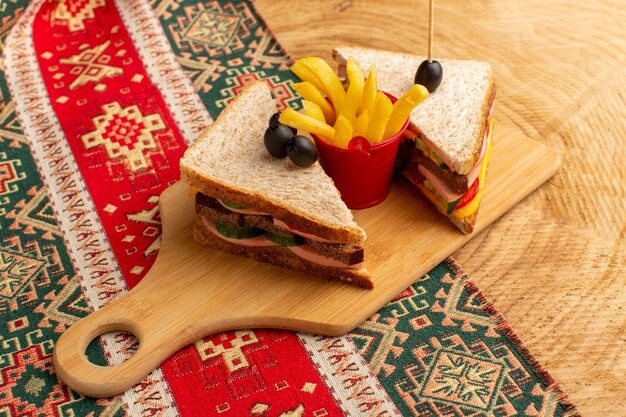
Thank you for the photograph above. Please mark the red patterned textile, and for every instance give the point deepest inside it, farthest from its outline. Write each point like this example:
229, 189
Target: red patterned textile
246, 370
127, 147
121, 133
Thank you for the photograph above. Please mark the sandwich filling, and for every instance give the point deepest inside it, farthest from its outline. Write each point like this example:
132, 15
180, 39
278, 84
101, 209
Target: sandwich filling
247, 227
453, 194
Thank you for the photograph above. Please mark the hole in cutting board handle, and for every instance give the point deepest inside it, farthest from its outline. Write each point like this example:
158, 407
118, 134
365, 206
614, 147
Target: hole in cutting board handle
89, 377
128, 344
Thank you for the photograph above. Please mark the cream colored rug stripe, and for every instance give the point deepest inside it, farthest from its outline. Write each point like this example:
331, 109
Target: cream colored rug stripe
354, 387
159, 59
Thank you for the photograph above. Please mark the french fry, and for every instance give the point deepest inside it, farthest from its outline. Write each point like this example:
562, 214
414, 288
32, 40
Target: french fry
361, 123
379, 118
355, 91
310, 93
292, 118
305, 74
369, 91
313, 110
403, 107
330, 84
343, 132
338, 115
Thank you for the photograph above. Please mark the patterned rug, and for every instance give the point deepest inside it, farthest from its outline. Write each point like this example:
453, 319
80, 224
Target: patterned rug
98, 101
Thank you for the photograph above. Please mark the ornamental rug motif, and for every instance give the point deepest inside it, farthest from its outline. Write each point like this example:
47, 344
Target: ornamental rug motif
98, 101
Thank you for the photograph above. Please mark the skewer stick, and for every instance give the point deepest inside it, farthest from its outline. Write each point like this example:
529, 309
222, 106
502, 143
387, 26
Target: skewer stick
431, 28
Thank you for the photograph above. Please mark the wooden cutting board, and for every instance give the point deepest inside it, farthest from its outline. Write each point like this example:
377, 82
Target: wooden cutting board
193, 291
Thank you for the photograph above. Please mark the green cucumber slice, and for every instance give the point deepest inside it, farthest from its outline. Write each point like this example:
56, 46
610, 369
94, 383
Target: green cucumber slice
422, 146
452, 205
232, 205
237, 232
294, 240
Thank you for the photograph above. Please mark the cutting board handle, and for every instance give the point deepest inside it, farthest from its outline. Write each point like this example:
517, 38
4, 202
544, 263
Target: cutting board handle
159, 337
74, 368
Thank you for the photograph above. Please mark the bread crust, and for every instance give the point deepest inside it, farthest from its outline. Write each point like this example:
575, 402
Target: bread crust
478, 145
214, 189
466, 224
278, 255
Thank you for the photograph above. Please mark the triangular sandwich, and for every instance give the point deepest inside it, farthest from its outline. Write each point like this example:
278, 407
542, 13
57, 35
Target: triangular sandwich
251, 204
449, 144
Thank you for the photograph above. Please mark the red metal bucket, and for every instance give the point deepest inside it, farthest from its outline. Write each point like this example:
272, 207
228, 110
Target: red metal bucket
362, 173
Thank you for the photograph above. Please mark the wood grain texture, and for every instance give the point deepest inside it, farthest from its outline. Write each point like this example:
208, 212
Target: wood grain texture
556, 264
209, 291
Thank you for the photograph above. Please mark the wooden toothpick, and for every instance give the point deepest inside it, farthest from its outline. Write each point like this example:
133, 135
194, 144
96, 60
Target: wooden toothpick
431, 28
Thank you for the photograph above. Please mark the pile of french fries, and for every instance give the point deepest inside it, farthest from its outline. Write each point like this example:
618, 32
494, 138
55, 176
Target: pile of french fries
337, 114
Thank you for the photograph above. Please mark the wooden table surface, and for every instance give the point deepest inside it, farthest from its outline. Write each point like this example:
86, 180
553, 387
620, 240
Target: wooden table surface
555, 266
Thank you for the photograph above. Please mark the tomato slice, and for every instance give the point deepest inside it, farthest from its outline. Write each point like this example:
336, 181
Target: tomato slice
415, 174
295, 228
468, 196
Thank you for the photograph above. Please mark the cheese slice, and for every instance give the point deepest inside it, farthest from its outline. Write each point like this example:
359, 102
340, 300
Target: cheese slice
472, 206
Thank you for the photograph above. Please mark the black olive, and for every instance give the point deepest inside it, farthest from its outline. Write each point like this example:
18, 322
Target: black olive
429, 74
301, 151
276, 139
274, 122
274, 119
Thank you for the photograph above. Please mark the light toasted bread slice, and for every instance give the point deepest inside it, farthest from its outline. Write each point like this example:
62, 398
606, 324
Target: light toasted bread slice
229, 162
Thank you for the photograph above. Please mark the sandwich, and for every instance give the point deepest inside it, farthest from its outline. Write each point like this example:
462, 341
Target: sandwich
251, 204
448, 142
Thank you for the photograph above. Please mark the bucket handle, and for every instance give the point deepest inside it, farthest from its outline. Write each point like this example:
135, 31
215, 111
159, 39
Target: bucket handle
359, 146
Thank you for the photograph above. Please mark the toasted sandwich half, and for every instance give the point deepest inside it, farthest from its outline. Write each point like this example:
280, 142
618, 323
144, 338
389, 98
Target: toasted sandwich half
449, 136
251, 204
